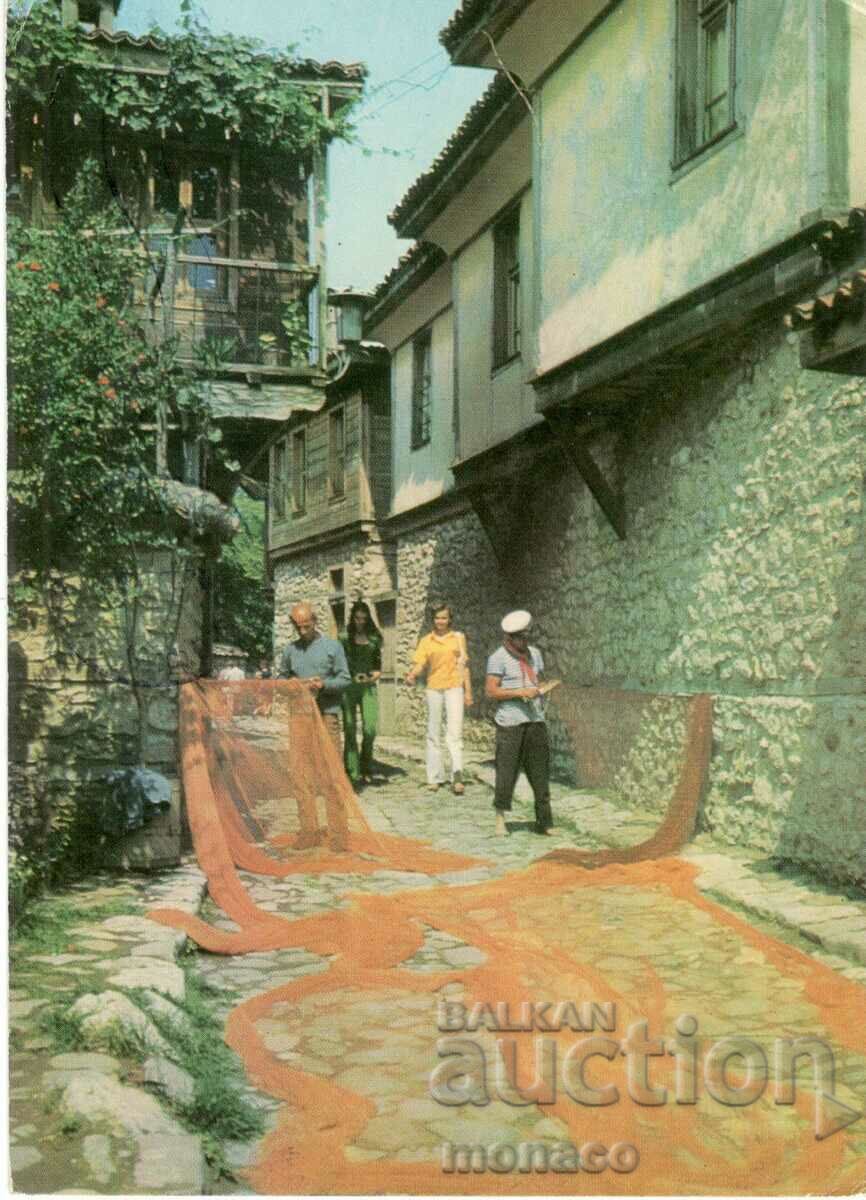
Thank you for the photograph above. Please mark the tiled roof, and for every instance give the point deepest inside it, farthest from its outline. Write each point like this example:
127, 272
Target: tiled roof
302, 67
828, 309
413, 267
842, 240
843, 249
480, 115
461, 22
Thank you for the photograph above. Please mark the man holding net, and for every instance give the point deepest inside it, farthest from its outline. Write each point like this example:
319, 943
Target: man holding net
320, 663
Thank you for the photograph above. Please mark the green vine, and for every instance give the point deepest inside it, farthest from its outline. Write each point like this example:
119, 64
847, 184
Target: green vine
214, 83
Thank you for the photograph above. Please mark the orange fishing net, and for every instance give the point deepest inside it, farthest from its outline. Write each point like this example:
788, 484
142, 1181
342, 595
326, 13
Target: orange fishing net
265, 791
600, 746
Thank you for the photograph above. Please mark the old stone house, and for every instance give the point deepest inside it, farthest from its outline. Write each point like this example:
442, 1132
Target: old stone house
599, 412
236, 270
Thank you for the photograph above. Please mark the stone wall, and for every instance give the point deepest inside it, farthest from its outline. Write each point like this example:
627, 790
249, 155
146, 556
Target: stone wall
73, 710
368, 571
449, 560
743, 574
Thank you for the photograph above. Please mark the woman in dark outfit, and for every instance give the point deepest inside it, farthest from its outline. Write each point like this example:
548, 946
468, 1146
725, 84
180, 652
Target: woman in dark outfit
363, 645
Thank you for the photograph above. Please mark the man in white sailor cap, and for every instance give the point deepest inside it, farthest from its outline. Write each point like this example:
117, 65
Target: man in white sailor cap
514, 682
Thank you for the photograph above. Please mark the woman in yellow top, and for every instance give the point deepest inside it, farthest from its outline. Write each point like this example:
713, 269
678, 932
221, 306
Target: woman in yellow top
443, 655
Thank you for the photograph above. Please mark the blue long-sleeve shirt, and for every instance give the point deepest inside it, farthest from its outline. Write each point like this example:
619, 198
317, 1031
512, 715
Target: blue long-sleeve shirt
323, 657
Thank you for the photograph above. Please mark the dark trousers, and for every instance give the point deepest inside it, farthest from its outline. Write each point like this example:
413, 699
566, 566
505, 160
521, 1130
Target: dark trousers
524, 747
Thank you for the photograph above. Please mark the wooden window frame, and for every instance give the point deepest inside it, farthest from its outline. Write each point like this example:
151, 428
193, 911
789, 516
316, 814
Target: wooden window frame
280, 480
216, 226
507, 298
299, 472
337, 453
695, 22
422, 388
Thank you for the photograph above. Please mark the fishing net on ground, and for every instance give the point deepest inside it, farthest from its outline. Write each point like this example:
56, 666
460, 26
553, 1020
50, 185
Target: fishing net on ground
264, 785
266, 792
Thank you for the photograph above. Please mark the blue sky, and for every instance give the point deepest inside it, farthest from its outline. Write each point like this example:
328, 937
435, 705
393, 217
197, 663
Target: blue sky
414, 101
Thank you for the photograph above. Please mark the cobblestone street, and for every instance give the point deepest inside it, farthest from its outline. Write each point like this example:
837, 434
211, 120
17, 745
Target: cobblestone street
340, 1047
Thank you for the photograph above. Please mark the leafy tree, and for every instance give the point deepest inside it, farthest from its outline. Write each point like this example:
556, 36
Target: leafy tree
85, 390
243, 613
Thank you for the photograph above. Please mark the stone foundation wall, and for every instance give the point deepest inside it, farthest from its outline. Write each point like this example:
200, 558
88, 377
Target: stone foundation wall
368, 567
743, 575
450, 561
74, 713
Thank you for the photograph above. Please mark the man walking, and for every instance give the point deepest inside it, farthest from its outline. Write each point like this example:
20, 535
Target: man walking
321, 663
513, 681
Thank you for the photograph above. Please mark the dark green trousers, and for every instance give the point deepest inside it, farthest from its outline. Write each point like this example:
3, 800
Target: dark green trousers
359, 696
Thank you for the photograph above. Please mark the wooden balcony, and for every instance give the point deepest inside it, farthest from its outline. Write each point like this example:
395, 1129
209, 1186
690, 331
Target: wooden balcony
234, 314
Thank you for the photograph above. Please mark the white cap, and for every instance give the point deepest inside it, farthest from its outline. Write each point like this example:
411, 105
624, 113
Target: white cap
517, 621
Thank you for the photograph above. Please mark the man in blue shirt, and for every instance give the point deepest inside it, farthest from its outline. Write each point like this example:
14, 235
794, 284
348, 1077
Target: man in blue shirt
513, 681
321, 663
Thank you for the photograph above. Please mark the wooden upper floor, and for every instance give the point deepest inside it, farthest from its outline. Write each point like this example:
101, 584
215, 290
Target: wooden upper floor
232, 237
673, 143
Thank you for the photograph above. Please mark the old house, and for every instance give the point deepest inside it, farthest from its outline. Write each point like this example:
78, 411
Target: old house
330, 491
639, 454
232, 264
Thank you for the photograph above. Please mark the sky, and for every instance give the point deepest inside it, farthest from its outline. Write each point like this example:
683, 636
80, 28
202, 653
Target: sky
414, 101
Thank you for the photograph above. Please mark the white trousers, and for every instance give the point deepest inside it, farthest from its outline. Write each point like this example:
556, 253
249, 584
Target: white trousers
449, 701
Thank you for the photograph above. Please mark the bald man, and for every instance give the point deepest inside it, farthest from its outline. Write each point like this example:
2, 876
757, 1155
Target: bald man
321, 663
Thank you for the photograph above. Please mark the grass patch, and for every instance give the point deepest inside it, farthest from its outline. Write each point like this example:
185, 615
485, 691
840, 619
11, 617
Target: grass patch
63, 1028
46, 926
219, 1110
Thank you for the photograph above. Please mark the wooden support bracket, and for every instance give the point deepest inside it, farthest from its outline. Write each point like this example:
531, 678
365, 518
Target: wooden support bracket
501, 512
609, 501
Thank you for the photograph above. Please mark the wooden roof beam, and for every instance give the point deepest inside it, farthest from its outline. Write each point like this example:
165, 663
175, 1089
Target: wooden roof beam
609, 500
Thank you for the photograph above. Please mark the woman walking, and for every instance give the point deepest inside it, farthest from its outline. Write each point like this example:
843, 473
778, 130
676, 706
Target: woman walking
362, 643
443, 655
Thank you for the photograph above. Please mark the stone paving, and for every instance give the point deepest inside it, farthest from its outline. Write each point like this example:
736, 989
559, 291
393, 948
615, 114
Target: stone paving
82, 1121
657, 952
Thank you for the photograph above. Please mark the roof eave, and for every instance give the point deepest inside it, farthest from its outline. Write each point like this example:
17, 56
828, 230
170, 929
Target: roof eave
470, 47
442, 189
422, 263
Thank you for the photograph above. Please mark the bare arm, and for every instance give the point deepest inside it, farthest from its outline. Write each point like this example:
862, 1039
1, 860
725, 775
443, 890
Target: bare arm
493, 690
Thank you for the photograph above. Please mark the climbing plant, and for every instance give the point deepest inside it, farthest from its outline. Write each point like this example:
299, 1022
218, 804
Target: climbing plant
212, 81
243, 613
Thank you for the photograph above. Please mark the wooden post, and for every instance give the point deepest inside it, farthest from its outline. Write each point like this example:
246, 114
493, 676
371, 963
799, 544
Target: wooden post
169, 282
319, 215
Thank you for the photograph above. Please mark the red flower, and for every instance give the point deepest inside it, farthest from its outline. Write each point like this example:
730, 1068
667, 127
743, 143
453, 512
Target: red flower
103, 381
35, 266
54, 286
21, 266
101, 302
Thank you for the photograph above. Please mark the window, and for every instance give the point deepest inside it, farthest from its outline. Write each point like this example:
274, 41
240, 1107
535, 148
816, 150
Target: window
506, 289
201, 187
299, 471
705, 73
421, 388
278, 492
336, 453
